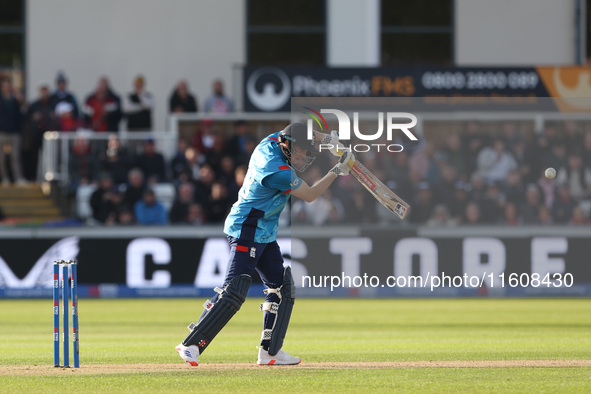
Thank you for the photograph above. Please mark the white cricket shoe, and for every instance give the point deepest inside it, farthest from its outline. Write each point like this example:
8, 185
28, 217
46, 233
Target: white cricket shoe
188, 353
281, 358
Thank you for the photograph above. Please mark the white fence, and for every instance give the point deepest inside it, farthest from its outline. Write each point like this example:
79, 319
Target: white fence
57, 148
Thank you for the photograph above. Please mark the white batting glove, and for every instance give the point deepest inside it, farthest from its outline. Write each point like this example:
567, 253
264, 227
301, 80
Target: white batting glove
332, 139
343, 167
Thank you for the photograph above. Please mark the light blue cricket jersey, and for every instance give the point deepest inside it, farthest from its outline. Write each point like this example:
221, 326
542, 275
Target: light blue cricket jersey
266, 189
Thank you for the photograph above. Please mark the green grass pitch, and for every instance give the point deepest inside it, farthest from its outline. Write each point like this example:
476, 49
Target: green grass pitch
346, 346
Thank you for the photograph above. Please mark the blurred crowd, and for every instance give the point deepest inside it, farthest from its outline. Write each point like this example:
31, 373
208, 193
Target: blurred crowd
206, 174
23, 123
482, 173
478, 173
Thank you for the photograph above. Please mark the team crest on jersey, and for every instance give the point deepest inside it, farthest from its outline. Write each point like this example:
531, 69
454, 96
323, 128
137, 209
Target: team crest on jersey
253, 252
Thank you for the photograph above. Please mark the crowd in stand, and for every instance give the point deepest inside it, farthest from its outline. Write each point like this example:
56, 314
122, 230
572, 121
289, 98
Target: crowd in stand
483, 173
22, 124
206, 177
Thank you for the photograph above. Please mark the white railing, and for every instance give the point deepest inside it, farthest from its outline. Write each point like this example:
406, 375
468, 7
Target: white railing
57, 145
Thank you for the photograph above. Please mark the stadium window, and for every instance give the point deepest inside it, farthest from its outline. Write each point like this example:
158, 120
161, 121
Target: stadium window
286, 33
416, 32
12, 40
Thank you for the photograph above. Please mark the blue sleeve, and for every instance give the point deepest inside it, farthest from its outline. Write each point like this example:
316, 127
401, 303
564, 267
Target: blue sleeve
282, 181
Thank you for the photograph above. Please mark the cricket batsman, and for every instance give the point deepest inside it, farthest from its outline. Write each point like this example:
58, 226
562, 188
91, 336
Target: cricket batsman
251, 229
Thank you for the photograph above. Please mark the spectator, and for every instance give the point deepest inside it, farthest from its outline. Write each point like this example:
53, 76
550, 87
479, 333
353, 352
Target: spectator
557, 156
494, 163
454, 155
218, 204
181, 172
571, 136
40, 118
152, 163
116, 200
251, 144
149, 211
422, 208
237, 143
563, 206
522, 155
103, 108
423, 164
513, 188
459, 201
400, 172
491, 206
540, 149
579, 217
66, 121
238, 181
125, 216
204, 138
317, 212
179, 212
215, 155
577, 177
544, 215
138, 107
135, 188
440, 217
100, 200
218, 102
83, 165
194, 161
182, 100
510, 215
115, 160
10, 133
62, 95
203, 184
446, 188
472, 143
195, 214
472, 214
530, 209
548, 189
226, 171
478, 188
359, 207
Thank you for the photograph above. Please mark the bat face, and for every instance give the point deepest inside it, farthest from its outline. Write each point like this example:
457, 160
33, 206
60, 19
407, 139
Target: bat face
381, 192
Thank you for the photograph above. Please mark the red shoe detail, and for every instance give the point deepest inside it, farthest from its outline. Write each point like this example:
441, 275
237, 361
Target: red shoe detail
271, 362
193, 363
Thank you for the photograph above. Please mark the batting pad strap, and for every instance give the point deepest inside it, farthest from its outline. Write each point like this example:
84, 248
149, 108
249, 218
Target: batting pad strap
272, 307
273, 291
230, 299
266, 335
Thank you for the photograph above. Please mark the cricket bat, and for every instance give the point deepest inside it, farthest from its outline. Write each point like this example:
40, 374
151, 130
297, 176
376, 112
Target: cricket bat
381, 192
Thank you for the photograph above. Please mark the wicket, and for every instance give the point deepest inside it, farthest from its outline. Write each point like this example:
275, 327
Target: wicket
71, 266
